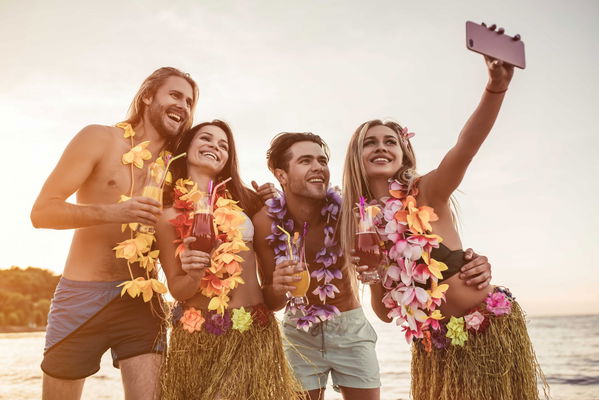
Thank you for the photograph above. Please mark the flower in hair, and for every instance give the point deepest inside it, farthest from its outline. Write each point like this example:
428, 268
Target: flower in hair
406, 135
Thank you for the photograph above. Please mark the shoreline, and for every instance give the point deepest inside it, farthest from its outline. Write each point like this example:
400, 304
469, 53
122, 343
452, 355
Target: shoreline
21, 329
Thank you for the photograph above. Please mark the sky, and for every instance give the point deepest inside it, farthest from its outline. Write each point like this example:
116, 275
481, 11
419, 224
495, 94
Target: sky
528, 201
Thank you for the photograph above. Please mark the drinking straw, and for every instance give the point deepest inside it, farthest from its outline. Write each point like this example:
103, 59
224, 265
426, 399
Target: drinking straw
210, 187
304, 235
215, 190
361, 207
288, 241
169, 162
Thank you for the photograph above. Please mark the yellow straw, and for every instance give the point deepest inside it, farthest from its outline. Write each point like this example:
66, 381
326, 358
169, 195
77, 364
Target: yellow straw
288, 241
168, 166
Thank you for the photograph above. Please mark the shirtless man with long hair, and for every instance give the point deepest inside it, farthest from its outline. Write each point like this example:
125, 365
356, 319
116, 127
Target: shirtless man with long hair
87, 316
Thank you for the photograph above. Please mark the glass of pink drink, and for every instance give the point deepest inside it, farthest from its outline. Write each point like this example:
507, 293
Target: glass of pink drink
367, 246
203, 226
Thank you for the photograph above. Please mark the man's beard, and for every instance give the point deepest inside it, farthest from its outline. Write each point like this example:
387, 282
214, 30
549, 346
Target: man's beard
156, 117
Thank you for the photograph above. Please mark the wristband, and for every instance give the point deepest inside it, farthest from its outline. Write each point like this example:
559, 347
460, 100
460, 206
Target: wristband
496, 92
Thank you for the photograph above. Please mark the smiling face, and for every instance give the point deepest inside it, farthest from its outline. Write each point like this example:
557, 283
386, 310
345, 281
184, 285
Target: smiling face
381, 152
169, 109
208, 152
307, 173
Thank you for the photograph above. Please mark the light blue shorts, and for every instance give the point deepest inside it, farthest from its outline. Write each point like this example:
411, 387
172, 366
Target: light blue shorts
343, 347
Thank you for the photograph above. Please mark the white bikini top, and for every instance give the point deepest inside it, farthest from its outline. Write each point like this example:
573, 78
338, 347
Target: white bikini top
247, 229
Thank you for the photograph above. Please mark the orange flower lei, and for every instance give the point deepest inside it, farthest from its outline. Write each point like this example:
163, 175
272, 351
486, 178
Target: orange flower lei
224, 273
138, 248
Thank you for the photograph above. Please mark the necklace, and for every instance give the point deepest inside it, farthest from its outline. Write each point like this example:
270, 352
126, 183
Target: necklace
409, 245
224, 273
138, 248
324, 260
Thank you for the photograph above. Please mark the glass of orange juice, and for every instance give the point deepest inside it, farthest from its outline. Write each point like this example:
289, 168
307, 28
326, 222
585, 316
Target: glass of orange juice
153, 190
298, 295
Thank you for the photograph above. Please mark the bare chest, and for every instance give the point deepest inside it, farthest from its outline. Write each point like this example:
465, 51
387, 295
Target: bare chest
111, 178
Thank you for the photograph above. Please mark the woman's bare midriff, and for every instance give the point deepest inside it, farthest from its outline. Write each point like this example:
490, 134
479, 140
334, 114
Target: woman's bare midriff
461, 298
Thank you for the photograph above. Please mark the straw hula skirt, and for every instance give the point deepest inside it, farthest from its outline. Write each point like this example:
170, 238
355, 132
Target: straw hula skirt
486, 354
237, 355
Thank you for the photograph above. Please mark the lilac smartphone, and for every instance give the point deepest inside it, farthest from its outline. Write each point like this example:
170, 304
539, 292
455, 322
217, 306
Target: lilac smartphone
493, 44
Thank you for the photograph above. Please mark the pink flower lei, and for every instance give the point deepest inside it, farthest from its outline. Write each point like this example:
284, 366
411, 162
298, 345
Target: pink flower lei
411, 269
325, 257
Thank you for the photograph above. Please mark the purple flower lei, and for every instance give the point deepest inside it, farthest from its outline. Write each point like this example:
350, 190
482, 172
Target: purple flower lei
325, 257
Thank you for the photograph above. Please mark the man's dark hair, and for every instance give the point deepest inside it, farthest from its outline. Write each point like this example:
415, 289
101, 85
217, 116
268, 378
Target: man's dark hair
278, 155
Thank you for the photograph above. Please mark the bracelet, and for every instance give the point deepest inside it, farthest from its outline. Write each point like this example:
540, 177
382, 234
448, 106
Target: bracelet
495, 92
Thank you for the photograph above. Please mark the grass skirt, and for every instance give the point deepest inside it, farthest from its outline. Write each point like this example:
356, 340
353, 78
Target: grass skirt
498, 364
235, 365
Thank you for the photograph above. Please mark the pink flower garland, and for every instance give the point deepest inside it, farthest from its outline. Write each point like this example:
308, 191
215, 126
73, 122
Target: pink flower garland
409, 244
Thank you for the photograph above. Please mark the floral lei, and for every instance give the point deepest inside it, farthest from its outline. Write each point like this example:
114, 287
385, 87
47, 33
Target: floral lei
409, 245
325, 258
138, 248
407, 228
224, 273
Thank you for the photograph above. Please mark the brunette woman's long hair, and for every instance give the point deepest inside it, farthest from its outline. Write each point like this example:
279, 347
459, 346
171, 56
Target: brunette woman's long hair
248, 199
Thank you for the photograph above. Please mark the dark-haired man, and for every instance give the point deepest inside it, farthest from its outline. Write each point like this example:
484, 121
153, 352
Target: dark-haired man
345, 345
87, 316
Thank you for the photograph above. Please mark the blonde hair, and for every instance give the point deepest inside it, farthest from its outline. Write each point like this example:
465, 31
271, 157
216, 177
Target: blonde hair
355, 181
149, 87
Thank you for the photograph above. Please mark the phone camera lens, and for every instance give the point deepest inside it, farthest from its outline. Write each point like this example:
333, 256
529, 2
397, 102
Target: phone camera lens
470, 42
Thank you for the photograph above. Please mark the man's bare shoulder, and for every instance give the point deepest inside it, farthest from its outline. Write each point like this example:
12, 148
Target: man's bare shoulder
262, 220
100, 133
96, 138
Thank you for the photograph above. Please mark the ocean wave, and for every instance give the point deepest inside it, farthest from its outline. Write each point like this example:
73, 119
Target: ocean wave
573, 380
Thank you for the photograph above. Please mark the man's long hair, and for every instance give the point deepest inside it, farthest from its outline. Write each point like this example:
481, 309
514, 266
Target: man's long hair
148, 89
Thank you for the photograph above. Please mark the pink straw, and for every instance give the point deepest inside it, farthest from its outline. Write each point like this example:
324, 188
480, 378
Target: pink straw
362, 204
304, 235
215, 190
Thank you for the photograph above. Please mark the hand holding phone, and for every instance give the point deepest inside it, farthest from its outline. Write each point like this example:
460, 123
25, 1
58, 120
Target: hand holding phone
495, 44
